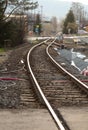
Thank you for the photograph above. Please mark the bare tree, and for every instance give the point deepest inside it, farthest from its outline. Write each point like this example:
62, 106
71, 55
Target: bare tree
54, 24
79, 12
13, 5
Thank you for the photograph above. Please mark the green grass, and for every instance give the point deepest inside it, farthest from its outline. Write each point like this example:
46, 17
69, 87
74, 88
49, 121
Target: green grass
2, 49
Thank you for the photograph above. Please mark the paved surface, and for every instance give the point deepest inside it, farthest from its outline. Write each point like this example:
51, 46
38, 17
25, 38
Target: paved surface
30, 119
76, 118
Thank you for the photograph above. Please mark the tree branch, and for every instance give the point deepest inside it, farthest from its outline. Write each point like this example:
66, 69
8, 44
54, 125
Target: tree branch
6, 3
10, 13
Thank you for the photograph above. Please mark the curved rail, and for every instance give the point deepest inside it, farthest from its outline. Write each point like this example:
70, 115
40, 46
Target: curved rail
80, 84
56, 119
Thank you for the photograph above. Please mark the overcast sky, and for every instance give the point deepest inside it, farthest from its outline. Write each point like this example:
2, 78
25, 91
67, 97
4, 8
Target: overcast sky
81, 1
58, 8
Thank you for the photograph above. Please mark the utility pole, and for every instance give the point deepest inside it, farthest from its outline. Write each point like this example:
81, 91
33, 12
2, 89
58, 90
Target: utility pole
42, 16
41, 12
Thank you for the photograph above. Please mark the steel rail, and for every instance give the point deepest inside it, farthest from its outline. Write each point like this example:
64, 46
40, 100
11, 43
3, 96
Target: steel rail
79, 83
56, 119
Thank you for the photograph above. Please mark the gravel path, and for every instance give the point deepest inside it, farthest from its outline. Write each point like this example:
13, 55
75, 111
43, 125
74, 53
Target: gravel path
14, 82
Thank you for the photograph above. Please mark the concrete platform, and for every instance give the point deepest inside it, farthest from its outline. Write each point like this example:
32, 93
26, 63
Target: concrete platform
30, 119
76, 117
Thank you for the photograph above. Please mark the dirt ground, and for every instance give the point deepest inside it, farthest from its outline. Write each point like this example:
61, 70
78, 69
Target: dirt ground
29, 119
76, 117
4, 56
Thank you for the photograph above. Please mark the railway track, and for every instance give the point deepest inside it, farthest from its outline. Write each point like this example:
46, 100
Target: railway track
52, 86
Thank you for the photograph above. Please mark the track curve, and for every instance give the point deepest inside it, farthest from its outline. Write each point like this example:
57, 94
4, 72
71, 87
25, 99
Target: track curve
51, 85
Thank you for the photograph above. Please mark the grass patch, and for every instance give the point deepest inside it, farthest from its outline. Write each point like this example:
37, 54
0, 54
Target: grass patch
2, 49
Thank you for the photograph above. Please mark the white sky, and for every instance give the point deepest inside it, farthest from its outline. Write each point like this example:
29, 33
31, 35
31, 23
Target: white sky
58, 8
81, 1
